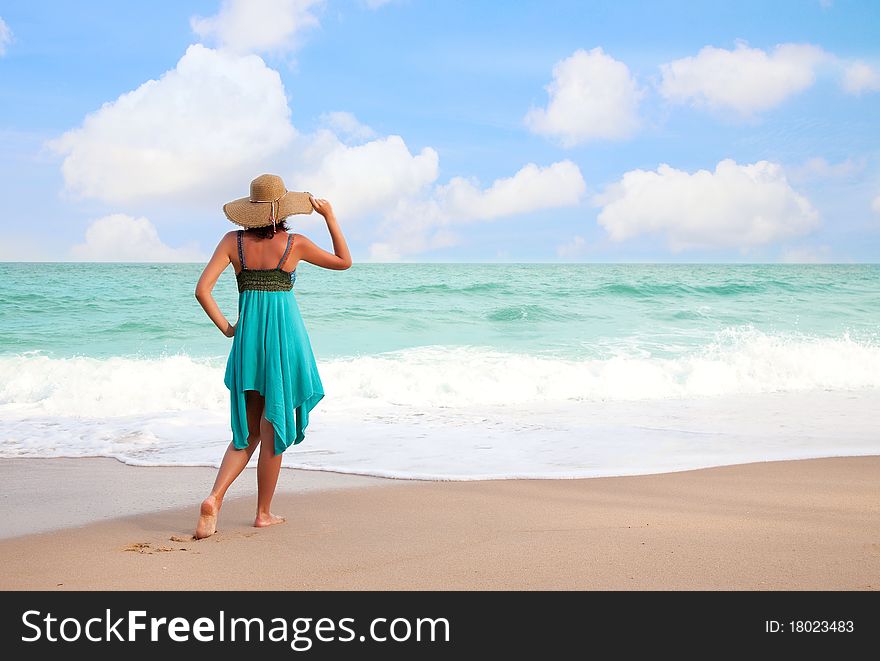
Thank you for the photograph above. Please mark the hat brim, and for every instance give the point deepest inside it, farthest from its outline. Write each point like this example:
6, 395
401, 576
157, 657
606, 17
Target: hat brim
259, 214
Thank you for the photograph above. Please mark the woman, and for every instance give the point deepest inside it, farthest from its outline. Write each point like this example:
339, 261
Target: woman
271, 373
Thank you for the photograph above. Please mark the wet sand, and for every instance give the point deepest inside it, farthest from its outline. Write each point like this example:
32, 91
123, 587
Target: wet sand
809, 524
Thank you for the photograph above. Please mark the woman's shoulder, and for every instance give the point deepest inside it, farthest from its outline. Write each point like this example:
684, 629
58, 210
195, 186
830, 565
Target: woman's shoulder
230, 237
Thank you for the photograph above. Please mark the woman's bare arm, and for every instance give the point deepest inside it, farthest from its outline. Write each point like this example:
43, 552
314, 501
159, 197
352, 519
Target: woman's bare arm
216, 265
307, 250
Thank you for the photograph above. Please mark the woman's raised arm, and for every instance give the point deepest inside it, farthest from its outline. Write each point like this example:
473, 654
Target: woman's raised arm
307, 250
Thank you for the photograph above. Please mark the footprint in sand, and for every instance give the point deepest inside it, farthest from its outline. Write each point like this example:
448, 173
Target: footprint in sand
138, 547
180, 538
148, 548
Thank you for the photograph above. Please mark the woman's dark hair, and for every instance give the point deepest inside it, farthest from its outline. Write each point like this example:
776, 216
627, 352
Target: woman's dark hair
266, 231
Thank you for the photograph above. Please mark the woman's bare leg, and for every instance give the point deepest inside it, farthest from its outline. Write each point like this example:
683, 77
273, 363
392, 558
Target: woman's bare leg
268, 467
234, 462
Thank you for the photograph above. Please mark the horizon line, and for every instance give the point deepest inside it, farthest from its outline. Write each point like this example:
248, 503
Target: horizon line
492, 263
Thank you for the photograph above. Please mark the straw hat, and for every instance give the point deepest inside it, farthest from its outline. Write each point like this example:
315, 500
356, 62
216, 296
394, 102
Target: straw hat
269, 201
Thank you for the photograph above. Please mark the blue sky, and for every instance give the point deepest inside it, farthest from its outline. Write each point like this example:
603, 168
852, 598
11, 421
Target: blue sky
446, 131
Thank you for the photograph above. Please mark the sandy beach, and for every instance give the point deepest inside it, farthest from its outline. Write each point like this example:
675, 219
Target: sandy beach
808, 524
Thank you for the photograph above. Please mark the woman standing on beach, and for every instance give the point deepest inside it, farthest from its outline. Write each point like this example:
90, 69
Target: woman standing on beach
271, 373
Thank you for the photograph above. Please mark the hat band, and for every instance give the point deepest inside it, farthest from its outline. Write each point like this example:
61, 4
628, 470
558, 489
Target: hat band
273, 213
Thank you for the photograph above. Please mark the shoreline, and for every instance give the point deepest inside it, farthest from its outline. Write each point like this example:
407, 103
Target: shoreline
799, 524
179, 486
75, 498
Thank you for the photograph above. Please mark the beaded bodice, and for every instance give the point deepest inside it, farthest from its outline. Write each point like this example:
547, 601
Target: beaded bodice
275, 279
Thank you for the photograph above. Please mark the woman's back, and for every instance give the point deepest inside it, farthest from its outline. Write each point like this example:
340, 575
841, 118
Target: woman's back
275, 278
261, 254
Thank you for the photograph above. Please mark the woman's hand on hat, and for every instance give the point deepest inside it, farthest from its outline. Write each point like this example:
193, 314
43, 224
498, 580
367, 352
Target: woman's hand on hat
322, 206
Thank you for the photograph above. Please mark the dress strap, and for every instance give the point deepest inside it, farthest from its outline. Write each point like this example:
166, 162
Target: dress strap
240, 251
286, 251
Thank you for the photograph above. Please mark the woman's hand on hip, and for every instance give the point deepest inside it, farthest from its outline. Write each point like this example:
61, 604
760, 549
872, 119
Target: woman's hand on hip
230, 329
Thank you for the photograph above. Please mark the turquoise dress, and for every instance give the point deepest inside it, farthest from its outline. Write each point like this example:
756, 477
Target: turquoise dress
271, 354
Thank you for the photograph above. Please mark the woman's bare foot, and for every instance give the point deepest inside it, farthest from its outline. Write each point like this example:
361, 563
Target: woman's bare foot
264, 520
207, 525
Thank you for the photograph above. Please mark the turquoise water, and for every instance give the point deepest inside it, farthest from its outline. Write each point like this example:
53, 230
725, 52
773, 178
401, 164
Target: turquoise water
575, 311
459, 371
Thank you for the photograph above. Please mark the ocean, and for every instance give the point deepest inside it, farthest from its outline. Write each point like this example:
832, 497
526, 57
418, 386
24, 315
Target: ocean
459, 371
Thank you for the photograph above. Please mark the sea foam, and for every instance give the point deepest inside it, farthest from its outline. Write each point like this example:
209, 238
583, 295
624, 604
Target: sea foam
473, 412
743, 361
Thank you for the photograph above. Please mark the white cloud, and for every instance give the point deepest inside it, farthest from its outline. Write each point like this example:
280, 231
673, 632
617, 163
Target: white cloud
420, 224
859, 77
875, 204
806, 255
347, 125
818, 168
362, 179
122, 238
376, 4
410, 240
205, 128
532, 188
572, 249
200, 132
746, 80
5, 36
734, 206
384, 178
592, 96
258, 25
205, 125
